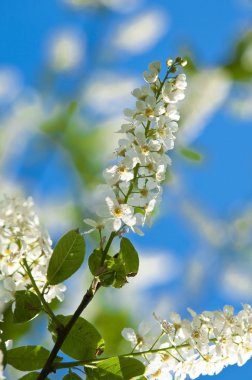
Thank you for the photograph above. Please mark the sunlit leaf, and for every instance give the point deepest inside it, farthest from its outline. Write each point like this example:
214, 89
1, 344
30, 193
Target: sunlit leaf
116, 368
67, 257
71, 376
28, 358
129, 256
94, 261
31, 376
191, 154
83, 342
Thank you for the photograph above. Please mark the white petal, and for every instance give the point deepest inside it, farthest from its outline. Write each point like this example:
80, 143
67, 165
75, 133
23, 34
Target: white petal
90, 222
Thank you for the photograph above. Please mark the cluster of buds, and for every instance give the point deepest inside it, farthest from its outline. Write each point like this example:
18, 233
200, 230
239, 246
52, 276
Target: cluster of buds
203, 345
22, 239
133, 185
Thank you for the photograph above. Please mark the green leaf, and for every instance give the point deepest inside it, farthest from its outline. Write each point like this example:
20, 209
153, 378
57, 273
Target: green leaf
83, 342
28, 358
94, 262
31, 376
115, 368
129, 256
236, 68
67, 257
115, 269
191, 154
120, 276
107, 277
72, 107
27, 306
71, 376
111, 273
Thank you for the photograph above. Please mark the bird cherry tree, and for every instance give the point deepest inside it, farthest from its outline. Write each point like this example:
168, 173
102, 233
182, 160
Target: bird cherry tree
33, 274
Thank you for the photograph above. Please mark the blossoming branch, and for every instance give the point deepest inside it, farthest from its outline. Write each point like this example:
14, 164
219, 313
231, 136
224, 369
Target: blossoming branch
204, 345
33, 274
134, 183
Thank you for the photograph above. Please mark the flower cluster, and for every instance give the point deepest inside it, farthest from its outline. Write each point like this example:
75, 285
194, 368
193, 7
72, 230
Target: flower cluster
22, 239
133, 185
201, 346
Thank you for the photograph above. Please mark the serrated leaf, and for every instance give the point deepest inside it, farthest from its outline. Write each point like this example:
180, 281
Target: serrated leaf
129, 256
71, 376
67, 257
116, 368
27, 306
31, 376
28, 358
83, 342
190, 154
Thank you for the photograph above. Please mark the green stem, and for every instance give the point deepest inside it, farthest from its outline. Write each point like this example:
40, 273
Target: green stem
157, 96
132, 183
158, 338
106, 249
162, 84
46, 307
50, 366
131, 354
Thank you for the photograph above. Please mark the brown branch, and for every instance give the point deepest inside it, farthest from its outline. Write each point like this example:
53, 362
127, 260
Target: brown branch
62, 335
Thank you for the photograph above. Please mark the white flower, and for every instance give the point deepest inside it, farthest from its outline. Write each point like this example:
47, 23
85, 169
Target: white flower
151, 76
95, 225
148, 109
143, 92
55, 291
23, 237
145, 192
180, 82
199, 346
121, 172
171, 94
172, 112
116, 214
134, 183
137, 339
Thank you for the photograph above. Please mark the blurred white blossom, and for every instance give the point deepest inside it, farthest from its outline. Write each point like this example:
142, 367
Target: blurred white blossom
10, 84
236, 282
108, 92
199, 105
156, 268
66, 50
23, 120
241, 104
142, 32
116, 5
